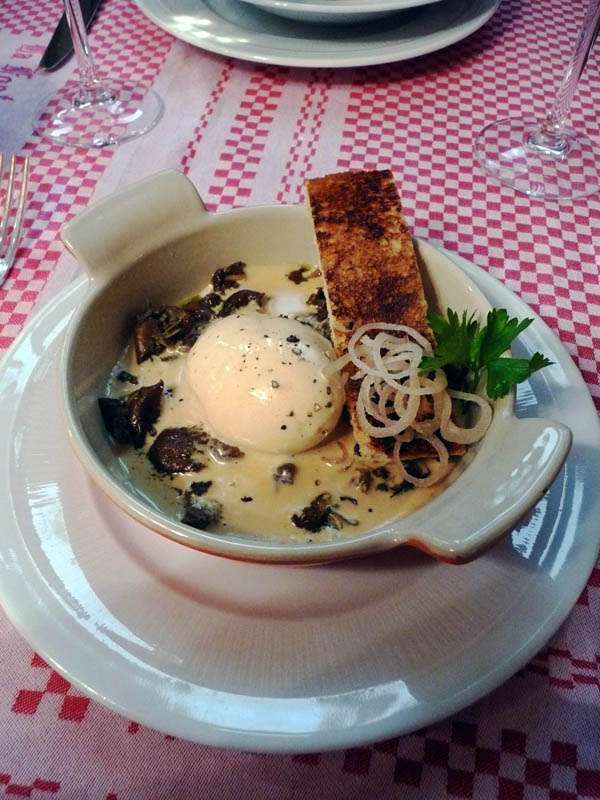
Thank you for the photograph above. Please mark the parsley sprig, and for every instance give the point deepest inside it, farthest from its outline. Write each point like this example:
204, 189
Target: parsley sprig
466, 351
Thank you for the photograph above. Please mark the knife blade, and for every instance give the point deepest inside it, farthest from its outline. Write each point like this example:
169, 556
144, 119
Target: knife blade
60, 47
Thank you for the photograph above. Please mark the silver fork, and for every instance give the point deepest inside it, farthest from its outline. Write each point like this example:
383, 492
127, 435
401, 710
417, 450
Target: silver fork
11, 218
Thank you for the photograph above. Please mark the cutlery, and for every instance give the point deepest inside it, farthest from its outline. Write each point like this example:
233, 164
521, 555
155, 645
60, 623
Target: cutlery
12, 216
60, 47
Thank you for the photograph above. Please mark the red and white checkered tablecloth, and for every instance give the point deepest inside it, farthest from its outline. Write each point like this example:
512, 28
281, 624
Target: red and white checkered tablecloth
250, 134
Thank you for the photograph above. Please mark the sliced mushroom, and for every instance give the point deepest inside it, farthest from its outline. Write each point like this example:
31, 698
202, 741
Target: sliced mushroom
130, 418
224, 452
285, 474
316, 515
199, 488
147, 340
201, 513
241, 299
317, 299
145, 406
297, 275
116, 418
228, 277
174, 450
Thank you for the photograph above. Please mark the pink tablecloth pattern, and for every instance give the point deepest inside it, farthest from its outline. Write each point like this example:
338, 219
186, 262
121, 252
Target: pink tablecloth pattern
250, 134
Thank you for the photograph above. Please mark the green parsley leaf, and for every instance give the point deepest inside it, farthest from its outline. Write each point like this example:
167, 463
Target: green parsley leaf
465, 350
453, 335
502, 373
498, 335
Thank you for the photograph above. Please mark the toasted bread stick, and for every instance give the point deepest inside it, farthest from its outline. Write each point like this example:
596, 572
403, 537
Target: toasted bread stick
370, 272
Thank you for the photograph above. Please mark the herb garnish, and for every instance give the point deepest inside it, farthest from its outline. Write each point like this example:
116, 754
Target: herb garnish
465, 350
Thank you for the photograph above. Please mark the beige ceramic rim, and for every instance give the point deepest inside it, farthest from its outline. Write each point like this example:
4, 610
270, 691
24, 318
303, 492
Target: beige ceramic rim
447, 533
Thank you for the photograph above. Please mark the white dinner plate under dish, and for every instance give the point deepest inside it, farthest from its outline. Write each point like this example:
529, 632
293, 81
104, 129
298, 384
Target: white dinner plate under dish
276, 658
238, 29
336, 11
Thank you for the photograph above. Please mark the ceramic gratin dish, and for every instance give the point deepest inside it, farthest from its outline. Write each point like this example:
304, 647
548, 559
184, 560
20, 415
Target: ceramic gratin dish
155, 242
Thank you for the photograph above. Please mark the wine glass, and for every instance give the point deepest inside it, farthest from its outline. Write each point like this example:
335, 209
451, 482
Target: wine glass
547, 159
95, 113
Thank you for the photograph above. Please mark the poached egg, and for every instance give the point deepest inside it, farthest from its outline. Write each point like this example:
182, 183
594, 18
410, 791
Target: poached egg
260, 383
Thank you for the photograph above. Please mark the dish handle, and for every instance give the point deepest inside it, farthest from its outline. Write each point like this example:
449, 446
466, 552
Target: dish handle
496, 491
114, 233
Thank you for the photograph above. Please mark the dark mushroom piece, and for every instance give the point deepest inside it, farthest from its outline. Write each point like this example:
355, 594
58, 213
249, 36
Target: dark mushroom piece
175, 323
203, 308
127, 377
211, 300
160, 328
222, 451
285, 474
130, 418
241, 299
144, 405
227, 277
174, 449
316, 515
319, 514
202, 312
199, 488
364, 480
116, 418
381, 472
317, 299
417, 469
201, 513
400, 488
147, 340
297, 275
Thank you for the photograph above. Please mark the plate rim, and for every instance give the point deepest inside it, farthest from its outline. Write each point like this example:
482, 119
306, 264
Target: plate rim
454, 34
392, 725
342, 7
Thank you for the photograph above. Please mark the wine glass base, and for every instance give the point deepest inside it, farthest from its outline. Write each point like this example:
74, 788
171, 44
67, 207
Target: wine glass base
506, 152
110, 114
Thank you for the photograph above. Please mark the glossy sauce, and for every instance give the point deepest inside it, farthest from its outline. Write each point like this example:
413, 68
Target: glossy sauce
331, 467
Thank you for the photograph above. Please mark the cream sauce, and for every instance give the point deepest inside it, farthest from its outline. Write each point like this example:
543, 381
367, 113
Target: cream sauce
331, 467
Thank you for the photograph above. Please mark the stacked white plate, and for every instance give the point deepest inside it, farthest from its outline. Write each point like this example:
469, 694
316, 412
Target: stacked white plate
336, 12
320, 33
278, 658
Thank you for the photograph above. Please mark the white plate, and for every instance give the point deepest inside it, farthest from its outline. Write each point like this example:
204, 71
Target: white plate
338, 12
237, 29
273, 658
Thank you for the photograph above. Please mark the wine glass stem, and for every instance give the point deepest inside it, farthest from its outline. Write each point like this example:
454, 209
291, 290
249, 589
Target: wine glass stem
88, 85
550, 135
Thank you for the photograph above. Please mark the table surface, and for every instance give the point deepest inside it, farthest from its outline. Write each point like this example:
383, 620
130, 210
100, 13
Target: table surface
249, 134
